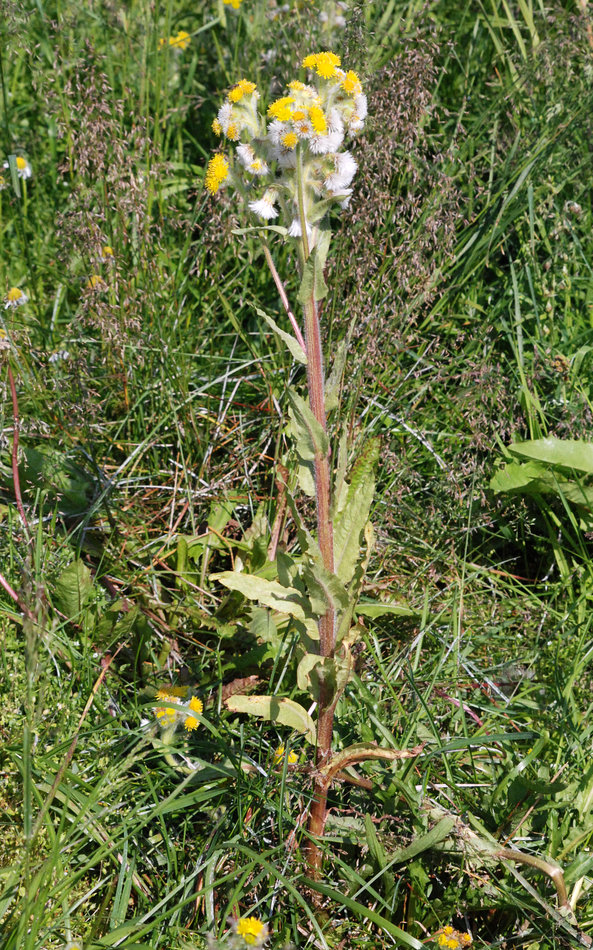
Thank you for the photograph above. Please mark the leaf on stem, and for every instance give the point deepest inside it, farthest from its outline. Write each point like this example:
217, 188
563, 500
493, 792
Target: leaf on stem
293, 344
352, 511
283, 711
310, 440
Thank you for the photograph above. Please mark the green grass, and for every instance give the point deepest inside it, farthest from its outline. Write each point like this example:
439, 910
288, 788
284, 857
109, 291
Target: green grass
461, 276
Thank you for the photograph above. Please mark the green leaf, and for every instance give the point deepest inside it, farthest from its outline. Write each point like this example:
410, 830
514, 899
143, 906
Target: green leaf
334, 380
353, 513
568, 453
310, 438
73, 589
291, 342
313, 281
283, 711
375, 609
272, 594
323, 588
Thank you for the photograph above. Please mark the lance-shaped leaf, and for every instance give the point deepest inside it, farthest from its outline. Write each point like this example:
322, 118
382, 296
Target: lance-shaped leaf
322, 674
569, 453
310, 438
287, 600
324, 589
283, 711
291, 342
352, 516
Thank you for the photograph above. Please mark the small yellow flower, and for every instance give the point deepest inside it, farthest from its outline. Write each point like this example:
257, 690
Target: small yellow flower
318, 120
281, 109
242, 88
289, 140
280, 754
325, 64
2, 182
216, 127
181, 41
197, 706
216, 173
96, 282
235, 4
106, 253
15, 298
166, 716
253, 931
351, 84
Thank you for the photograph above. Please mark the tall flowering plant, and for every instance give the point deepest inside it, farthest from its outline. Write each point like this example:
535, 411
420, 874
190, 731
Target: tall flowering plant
290, 166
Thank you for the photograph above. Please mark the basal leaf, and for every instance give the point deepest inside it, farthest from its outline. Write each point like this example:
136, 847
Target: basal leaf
73, 588
568, 453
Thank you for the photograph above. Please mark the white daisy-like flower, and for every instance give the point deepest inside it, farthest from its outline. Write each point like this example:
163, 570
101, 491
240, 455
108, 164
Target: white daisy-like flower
23, 169
361, 106
15, 298
335, 123
345, 170
265, 208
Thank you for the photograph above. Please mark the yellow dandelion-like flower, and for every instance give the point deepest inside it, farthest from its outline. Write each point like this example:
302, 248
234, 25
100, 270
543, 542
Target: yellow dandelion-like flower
253, 931
281, 109
298, 115
289, 140
106, 253
318, 120
96, 282
216, 173
242, 88
197, 706
232, 132
466, 940
181, 41
325, 64
351, 84
216, 127
280, 754
297, 85
235, 4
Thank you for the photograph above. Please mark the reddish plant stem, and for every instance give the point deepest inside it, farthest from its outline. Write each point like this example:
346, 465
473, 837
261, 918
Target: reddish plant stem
327, 624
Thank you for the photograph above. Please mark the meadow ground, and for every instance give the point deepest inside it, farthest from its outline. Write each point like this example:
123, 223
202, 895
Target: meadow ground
145, 430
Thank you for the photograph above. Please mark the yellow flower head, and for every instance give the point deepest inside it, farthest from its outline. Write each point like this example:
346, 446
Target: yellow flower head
289, 140
235, 4
14, 298
197, 706
166, 717
318, 120
351, 84
242, 88
451, 939
280, 754
216, 127
324, 64
216, 173
253, 931
181, 41
281, 109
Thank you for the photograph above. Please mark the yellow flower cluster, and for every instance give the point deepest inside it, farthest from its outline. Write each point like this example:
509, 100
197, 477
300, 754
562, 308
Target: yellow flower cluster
451, 939
181, 41
291, 158
253, 931
171, 715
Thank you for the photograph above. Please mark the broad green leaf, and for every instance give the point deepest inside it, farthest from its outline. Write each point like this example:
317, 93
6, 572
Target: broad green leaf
324, 589
351, 518
569, 453
315, 673
73, 589
287, 600
310, 440
291, 342
515, 477
535, 478
283, 711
